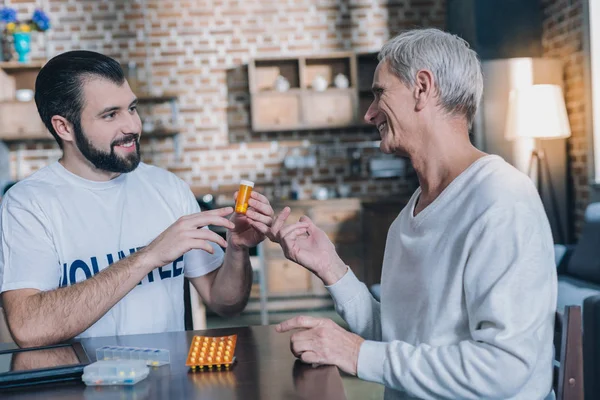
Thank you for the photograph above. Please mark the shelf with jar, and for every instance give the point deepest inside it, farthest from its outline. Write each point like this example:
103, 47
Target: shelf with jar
19, 118
18, 67
39, 133
154, 127
311, 92
20, 121
148, 99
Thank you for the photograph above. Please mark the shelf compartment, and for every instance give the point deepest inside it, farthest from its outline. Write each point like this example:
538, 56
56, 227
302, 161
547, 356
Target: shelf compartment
21, 121
367, 64
276, 111
328, 68
331, 108
265, 72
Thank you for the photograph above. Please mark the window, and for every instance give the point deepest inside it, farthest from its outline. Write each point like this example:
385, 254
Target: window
591, 37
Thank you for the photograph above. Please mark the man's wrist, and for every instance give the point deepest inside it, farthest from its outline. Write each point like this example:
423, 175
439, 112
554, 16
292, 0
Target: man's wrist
143, 259
358, 343
334, 273
232, 246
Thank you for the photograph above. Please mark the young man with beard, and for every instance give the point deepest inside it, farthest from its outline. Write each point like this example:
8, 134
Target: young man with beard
468, 287
97, 243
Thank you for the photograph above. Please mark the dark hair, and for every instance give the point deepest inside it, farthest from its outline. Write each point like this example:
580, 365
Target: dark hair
59, 84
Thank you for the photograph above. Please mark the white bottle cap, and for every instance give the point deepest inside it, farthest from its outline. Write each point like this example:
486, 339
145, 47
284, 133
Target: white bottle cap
247, 183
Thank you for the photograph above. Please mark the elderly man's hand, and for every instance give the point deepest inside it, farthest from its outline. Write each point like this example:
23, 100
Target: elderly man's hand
323, 342
304, 243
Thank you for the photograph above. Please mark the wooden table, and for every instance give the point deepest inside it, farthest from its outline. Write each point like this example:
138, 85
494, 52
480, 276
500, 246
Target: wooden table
265, 369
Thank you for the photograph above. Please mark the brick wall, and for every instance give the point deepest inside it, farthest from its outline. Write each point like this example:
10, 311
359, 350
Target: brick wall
200, 50
562, 38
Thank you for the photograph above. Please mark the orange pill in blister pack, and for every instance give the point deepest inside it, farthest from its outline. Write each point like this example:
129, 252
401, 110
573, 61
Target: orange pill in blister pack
211, 352
241, 203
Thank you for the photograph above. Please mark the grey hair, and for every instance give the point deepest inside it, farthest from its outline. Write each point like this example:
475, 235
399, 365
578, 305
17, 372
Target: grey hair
454, 65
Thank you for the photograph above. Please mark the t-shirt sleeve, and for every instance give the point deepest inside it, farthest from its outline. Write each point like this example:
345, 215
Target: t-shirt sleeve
28, 259
199, 262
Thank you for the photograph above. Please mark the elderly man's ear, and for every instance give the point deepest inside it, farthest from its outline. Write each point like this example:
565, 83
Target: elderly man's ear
423, 91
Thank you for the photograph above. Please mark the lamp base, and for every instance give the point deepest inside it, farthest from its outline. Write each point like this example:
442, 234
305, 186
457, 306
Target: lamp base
539, 160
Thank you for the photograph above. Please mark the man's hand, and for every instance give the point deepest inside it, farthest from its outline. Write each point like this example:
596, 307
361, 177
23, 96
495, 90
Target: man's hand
250, 228
186, 234
323, 342
306, 244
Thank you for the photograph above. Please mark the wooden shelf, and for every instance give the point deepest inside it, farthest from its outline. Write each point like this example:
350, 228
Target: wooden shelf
46, 136
302, 107
41, 137
150, 98
15, 66
332, 89
306, 91
161, 132
277, 92
327, 56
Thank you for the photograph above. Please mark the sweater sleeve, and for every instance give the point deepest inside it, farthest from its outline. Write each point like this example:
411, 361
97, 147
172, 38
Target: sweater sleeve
357, 306
510, 294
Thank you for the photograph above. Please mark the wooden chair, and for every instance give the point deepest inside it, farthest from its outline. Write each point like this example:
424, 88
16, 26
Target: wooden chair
568, 343
591, 347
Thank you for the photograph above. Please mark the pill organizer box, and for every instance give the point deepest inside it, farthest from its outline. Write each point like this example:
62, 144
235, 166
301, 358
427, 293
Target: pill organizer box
115, 372
153, 357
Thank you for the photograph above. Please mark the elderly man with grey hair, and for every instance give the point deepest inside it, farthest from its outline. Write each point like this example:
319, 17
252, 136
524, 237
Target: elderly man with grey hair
468, 288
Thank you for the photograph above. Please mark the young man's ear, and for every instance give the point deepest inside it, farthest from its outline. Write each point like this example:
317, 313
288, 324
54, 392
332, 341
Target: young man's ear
63, 128
423, 88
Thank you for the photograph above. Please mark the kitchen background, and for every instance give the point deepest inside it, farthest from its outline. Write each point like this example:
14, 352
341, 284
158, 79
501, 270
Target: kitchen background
200, 51
207, 118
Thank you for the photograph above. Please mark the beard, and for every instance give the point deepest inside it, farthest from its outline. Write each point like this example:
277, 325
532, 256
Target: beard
108, 161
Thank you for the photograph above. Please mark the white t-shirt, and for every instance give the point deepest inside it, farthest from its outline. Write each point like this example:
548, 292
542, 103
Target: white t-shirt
468, 294
58, 229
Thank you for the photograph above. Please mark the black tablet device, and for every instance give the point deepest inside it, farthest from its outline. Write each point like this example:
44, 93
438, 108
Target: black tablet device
36, 365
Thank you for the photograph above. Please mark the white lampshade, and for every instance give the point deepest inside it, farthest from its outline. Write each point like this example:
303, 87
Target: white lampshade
537, 111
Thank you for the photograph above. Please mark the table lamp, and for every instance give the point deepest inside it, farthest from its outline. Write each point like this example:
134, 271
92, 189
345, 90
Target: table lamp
539, 112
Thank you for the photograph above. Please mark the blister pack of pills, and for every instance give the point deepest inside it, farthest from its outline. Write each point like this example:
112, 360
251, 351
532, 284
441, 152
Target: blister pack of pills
211, 352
